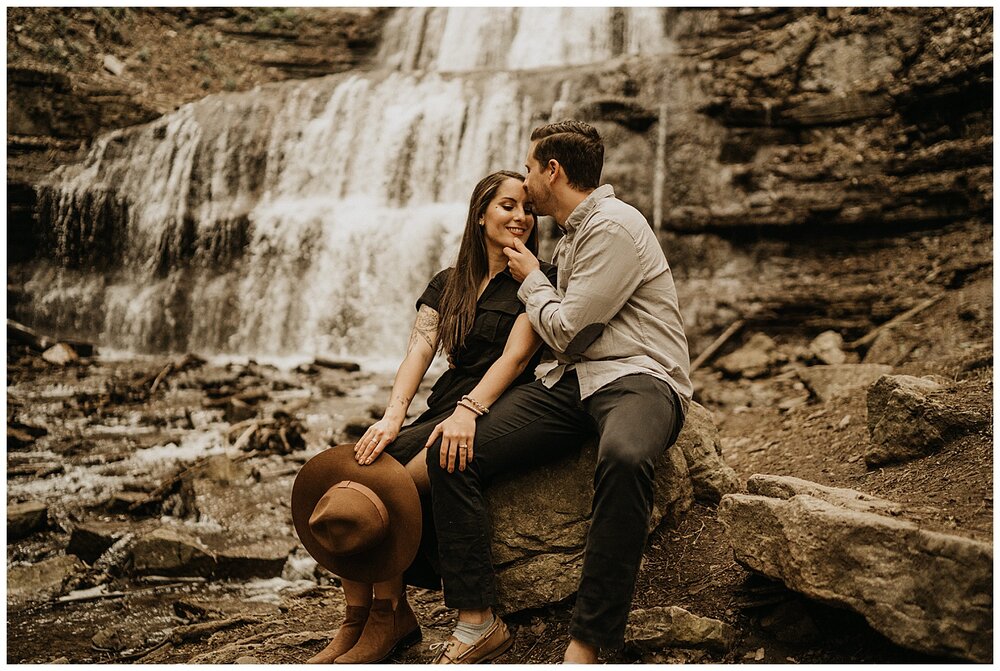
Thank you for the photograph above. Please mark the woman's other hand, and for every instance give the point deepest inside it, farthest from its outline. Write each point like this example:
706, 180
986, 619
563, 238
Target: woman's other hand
457, 435
376, 438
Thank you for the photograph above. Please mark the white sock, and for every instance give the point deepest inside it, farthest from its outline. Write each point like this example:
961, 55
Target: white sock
469, 633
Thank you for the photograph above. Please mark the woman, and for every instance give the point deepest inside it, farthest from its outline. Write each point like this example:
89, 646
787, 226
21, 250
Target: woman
471, 312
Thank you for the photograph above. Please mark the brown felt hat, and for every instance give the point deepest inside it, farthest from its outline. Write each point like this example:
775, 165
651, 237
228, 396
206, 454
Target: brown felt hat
362, 523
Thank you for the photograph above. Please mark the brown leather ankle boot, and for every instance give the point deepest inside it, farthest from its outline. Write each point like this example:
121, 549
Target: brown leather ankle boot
386, 631
347, 636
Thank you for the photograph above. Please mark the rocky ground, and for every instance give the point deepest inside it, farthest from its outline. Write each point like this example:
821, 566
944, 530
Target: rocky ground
148, 519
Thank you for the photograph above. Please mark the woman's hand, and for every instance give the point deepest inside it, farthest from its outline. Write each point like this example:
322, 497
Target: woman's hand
457, 435
376, 438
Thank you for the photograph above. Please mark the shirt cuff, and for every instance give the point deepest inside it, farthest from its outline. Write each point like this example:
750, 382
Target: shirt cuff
534, 280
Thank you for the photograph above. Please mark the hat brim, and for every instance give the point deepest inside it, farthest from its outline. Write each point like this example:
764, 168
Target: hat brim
390, 481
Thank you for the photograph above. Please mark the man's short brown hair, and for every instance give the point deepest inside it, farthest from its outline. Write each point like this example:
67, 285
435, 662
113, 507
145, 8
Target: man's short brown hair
578, 148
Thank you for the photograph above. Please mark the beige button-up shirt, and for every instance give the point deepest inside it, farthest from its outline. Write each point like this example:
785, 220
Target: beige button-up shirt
614, 311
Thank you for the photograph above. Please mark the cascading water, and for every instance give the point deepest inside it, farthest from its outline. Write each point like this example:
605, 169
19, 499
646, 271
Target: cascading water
305, 217
518, 38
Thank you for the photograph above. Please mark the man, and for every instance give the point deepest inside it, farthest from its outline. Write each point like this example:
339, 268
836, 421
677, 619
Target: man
621, 372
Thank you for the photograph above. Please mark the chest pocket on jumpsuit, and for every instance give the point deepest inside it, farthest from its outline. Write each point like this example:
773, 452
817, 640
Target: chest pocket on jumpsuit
496, 319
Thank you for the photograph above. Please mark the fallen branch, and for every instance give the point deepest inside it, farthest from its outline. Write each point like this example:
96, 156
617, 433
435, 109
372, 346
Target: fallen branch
244, 439
79, 598
871, 335
253, 421
159, 378
193, 632
717, 343
17, 332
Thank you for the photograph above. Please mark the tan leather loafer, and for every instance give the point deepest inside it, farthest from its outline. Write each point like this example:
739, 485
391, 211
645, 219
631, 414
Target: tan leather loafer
496, 641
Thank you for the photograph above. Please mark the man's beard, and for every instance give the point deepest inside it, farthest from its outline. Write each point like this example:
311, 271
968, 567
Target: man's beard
538, 200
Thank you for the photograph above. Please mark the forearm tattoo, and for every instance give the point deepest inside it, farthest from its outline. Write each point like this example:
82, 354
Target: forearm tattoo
425, 327
401, 401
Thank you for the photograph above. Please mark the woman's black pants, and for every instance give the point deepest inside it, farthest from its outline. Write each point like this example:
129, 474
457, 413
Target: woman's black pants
636, 417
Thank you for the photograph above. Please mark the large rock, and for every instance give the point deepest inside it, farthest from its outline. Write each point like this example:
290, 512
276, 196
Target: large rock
540, 520
42, 581
60, 354
753, 359
699, 443
90, 540
828, 382
786, 486
258, 559
924, 590
653, 629
910, 417
24, 519
828, 347
170, 552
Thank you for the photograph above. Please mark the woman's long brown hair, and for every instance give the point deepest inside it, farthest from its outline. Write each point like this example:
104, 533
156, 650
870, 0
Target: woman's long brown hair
458, 300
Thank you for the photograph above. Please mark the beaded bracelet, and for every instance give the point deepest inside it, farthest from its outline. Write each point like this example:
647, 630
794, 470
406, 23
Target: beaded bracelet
482, 408
470, 407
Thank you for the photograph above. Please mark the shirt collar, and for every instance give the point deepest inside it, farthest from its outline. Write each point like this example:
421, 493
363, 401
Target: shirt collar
583, 210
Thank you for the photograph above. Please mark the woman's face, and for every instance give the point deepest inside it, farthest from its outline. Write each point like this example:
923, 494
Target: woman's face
505, 218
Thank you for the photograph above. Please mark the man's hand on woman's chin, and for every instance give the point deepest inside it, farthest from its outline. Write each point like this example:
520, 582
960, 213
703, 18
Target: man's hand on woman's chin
520, 260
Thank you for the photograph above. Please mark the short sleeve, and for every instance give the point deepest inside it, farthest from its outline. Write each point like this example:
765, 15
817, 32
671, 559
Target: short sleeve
432, 294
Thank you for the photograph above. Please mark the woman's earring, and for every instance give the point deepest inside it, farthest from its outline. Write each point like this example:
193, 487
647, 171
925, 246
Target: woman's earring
481, 222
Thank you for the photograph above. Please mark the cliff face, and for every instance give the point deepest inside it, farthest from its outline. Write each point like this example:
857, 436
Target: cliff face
876, 118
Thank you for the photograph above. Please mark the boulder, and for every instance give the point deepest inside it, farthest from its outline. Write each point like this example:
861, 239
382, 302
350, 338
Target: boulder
132, 503
540, 520
113, 65
90, 540
786, 486
909, 417
257, 559
24, 519
336, 364
832, 381
753, 359
42, 581
828, 347
16, 438
653, 629
170, 552
699, 443
60, 354
924, 590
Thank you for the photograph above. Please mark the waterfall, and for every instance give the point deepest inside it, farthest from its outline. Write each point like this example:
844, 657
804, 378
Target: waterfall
301, 217
518, 38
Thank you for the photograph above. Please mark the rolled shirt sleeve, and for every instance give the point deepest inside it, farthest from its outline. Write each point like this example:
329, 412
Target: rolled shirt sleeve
606, 270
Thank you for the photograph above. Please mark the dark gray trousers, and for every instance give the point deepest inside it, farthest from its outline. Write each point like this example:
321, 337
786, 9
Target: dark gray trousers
636, 417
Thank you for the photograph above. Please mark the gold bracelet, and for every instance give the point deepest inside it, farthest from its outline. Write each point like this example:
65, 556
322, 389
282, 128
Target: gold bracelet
482, 408
475, 411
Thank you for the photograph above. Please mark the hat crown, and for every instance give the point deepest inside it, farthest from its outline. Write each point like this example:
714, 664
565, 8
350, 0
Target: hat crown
349, 519
359, 535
